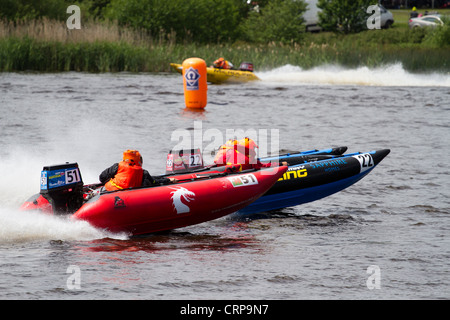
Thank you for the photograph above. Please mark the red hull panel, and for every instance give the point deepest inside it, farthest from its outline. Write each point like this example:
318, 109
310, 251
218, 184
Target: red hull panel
161, 208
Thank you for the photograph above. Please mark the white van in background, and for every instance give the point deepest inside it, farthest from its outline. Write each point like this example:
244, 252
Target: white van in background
311, 16
387, 19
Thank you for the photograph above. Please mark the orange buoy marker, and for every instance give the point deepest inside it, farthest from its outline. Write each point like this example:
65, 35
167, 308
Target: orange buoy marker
194, 81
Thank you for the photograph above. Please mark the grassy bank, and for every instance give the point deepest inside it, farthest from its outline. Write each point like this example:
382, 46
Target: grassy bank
47, 45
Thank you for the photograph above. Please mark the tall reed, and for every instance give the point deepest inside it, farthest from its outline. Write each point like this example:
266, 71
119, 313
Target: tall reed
54, 30
47, 45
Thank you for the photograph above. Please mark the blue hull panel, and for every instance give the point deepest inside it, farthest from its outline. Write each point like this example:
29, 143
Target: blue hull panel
301, 196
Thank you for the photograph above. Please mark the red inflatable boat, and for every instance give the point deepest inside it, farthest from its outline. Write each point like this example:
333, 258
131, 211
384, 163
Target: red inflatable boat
152, 209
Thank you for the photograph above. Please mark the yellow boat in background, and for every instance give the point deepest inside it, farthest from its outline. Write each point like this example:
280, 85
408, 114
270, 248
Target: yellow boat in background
216, 75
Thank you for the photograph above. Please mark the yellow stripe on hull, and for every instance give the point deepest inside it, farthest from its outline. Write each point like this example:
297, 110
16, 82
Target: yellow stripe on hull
215, 75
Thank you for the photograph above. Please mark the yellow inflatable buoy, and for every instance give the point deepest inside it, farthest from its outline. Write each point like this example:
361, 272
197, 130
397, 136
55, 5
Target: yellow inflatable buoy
194, 82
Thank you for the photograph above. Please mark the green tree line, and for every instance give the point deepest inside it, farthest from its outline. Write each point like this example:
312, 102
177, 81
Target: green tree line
202, 21
146, 35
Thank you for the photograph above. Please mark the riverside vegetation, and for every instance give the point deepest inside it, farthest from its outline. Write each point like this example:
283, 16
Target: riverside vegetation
47, 45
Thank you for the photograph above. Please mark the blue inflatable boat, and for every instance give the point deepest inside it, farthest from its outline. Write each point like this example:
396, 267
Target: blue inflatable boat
313, 175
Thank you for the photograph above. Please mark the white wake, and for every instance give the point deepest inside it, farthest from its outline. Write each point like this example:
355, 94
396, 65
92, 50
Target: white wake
391, 75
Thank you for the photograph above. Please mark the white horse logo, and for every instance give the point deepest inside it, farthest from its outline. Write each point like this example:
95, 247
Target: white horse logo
178, 194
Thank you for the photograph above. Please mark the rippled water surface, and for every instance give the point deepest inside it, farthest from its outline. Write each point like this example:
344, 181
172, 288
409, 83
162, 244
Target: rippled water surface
395, 220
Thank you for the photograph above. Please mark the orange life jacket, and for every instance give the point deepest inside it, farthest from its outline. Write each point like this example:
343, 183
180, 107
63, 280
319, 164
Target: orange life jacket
221, 156
127, 176
233, 153
222, 64
239, 155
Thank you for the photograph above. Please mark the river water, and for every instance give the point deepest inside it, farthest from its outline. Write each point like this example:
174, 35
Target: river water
386, 237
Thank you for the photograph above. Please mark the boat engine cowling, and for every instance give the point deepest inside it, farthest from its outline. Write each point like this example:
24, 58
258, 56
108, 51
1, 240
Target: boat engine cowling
246, 66
179, 161
62, 186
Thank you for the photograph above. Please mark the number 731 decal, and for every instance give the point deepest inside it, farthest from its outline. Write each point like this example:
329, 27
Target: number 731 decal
365, 160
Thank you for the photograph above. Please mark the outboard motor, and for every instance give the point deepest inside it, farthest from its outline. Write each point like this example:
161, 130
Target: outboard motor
246, 66
179, 161
62, 186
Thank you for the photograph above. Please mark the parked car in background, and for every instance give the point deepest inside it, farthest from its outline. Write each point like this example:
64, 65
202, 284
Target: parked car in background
425, 21
387, 19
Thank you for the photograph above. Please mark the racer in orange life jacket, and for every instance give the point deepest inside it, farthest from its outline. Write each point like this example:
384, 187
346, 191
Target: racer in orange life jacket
221, 63
221, 156
239, 155
246, 155
129, 174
